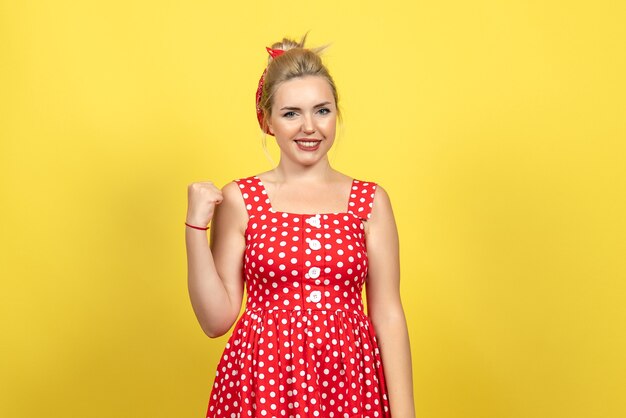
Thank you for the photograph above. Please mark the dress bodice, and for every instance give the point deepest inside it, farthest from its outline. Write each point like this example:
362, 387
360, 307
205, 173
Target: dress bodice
305, 261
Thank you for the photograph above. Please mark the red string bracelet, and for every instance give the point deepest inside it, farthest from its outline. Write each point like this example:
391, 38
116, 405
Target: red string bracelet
197, 227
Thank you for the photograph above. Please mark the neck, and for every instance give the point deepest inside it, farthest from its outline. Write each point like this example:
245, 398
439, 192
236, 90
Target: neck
286, 171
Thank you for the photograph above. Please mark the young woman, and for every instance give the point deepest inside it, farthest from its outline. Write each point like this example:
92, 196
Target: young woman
304, 238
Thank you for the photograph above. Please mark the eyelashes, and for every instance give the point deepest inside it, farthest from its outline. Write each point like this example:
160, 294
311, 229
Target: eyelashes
291, 114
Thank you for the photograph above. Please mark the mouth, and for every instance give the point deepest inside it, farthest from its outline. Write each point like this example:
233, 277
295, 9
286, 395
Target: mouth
308, 144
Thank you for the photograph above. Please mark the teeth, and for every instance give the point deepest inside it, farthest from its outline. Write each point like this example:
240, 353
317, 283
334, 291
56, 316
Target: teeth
308, 143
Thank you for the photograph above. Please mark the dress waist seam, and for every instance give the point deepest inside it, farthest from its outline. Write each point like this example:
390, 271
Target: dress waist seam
306, 310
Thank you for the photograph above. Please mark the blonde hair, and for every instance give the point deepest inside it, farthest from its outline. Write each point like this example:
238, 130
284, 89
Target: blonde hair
296, 61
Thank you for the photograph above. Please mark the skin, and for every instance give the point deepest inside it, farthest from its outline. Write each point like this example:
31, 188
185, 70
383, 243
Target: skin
303, 108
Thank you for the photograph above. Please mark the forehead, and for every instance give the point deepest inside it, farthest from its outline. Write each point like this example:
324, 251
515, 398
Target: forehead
310, 89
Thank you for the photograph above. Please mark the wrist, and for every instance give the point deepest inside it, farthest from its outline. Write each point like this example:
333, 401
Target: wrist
196, 220
197, 225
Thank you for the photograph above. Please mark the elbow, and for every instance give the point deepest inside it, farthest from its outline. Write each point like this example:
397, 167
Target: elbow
213, 334
387, 317
216, 330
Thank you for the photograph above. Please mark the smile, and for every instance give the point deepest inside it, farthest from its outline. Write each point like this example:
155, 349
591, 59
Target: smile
308, 145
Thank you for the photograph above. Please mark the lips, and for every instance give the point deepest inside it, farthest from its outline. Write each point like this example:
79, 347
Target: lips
308, 144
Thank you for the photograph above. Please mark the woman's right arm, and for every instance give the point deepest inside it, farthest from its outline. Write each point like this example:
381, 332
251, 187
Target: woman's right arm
215, 280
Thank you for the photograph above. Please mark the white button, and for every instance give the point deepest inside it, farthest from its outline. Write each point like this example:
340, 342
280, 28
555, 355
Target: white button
314, 221
316, 296
314, 272
315, 244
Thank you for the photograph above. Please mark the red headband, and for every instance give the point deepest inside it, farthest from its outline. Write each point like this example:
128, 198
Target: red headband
259, 112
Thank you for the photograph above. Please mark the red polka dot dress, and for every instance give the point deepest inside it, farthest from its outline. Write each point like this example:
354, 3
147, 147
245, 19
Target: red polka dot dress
304, 346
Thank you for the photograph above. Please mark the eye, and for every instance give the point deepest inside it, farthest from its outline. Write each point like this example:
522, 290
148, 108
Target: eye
324, 111
289, 114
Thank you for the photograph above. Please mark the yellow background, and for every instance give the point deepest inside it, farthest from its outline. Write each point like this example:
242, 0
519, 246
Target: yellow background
497, 127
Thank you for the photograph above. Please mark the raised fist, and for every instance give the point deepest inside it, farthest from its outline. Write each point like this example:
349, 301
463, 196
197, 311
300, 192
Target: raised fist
201, 200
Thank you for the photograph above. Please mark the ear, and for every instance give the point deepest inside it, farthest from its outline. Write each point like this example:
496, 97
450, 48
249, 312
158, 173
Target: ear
269, 126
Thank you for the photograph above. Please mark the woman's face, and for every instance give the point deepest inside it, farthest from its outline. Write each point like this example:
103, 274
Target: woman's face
304, 118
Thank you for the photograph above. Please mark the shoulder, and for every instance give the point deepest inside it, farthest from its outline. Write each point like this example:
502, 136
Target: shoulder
241, 187
242, 181
233, 207
380, 194
382, 223
231, 190
365, 184
229, 224
368, 187
266, 176
381, 207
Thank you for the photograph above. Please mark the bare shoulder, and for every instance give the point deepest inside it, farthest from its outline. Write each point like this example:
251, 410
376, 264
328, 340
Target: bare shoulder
233, 208
231, 190
382, 211
233, 197
267, 176
343, 177
381, 231
382, 201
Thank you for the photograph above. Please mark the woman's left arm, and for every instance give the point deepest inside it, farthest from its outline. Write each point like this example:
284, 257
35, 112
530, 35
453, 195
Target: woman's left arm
384, 305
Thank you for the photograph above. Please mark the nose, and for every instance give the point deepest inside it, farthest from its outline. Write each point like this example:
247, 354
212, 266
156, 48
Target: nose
308, 125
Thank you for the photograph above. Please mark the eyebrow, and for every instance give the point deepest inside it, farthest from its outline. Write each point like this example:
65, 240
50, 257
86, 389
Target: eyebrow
297, 108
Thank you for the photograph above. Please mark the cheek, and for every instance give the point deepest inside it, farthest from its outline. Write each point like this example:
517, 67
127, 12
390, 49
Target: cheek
287, 128
330, 125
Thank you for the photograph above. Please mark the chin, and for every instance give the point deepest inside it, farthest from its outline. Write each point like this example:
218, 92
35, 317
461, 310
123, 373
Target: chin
312, 160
